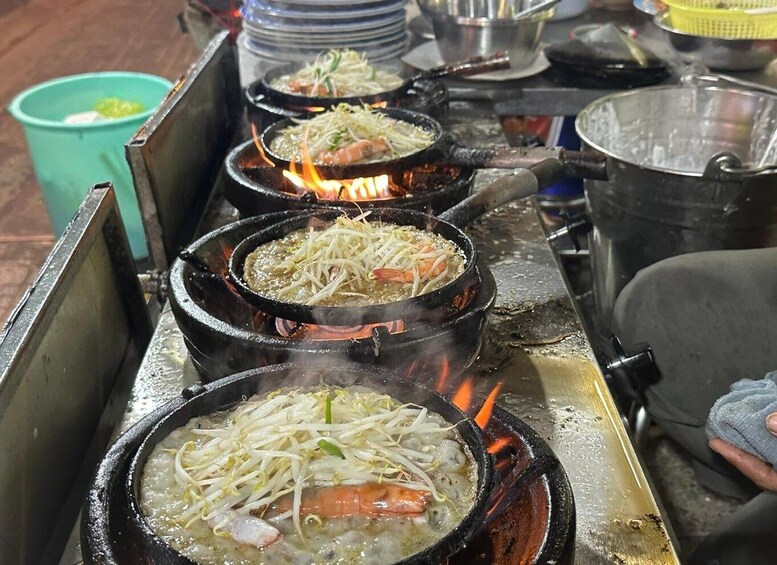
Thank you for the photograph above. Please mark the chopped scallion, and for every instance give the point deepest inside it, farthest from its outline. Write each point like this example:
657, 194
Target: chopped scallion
330, 448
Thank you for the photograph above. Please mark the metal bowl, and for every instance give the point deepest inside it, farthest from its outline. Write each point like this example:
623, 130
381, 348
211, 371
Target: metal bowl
718, 53
469, 28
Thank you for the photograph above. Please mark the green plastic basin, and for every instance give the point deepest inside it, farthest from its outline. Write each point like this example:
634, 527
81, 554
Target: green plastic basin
69, 158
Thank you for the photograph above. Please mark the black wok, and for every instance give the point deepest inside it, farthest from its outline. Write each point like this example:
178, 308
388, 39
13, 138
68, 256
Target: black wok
443, 150
201, 400
476, 65
580, 73
113, 533
522, 182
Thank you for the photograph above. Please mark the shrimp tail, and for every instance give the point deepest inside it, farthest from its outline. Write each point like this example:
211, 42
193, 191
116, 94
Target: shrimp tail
370, 499
353, 153
392, 275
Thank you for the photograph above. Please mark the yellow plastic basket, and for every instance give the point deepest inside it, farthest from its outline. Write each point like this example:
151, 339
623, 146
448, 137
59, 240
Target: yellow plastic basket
725, 18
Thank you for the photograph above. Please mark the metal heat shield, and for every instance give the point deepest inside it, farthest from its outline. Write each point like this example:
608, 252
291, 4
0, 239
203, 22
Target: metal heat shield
68, 355
176, 157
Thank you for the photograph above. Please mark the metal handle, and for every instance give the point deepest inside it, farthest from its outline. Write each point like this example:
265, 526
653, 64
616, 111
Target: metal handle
623, 361
581, 164
573, 229
630, 373
727, 166
585, 164
691, 76
476, 65
519, 184
748, 84
502, 157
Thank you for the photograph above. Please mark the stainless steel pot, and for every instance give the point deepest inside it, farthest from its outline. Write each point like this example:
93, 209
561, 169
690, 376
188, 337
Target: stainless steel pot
483, 26
689, 169
718, 53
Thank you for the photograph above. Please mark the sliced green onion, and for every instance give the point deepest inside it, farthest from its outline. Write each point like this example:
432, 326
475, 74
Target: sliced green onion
335, 141
330, 448
328, 410
336, 56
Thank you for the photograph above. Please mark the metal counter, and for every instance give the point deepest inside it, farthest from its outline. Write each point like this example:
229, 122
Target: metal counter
534, 344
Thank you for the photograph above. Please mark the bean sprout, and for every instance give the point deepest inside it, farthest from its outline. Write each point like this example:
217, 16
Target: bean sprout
268, 447
328, 136
355, 262
337, 73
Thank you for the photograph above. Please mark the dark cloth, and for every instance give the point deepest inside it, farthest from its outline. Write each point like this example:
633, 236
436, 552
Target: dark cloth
747, 537
711, 319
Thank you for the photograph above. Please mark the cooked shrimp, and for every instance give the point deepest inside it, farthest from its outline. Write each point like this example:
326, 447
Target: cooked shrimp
431, 265
368, 499
347, 134
307, 89
354, 152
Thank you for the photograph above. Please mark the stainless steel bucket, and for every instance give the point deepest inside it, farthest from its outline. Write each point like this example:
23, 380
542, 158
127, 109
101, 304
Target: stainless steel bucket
666, 192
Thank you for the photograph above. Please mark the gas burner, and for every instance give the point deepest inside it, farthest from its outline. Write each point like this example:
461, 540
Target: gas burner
254, 187
530, 488
225, 334
429, 97
296, 330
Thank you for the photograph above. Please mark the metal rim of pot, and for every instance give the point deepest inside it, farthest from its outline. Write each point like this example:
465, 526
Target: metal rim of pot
200, 400
733, 168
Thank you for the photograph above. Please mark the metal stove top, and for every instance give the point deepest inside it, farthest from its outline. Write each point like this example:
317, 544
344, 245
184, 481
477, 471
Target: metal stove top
535, 344
535, 340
